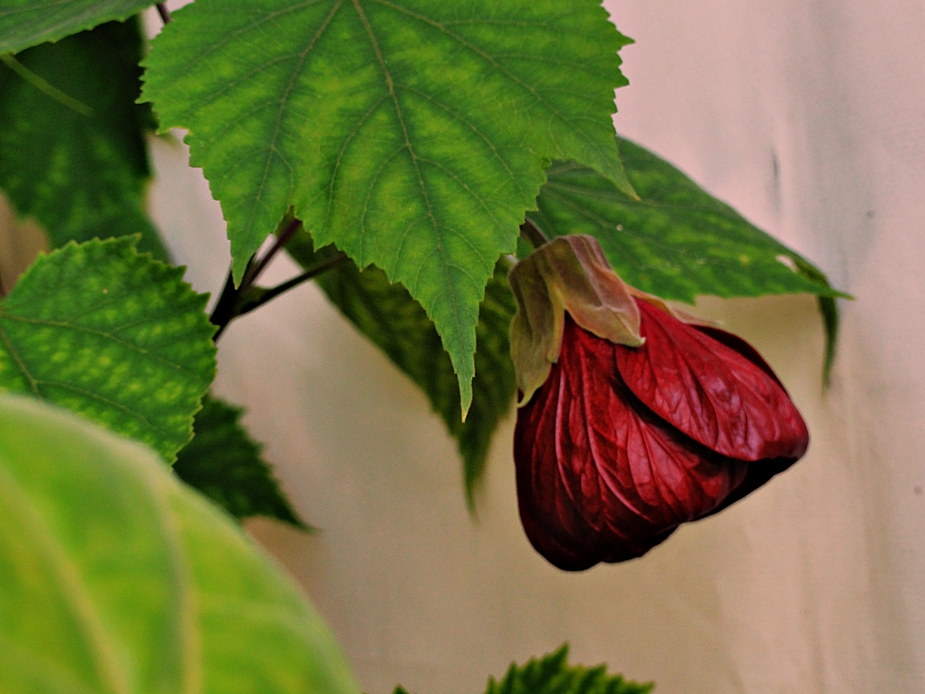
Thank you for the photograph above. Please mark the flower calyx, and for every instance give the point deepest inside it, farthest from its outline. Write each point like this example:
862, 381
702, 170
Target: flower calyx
570, 273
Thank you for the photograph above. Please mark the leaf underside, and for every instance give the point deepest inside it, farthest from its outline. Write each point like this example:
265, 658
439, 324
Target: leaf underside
72, 153
113, 335
397, 324
225, 464
678, 241
26, 23
412, 135
114, 577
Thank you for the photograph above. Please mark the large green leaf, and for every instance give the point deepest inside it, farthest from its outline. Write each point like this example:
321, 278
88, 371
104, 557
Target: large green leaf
25, 23
72, 148
113, 335
413, 134
114, 577
397, 324
677, 241
225, 464
552, 674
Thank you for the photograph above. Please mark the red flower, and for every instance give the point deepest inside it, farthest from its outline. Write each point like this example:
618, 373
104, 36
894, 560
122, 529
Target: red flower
625, 439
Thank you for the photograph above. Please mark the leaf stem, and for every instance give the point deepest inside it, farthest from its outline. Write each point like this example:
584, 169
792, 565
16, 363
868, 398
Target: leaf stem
532, 233
234, 302
164, 13
281, 240
263, 297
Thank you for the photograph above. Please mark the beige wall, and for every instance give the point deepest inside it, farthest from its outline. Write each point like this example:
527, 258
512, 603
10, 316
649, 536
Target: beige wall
808, 117
812, 585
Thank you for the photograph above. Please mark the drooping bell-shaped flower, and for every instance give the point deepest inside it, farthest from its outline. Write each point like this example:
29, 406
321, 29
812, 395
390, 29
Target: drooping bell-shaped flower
633, 418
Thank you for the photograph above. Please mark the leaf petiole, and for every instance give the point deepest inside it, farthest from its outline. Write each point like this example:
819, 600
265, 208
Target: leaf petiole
532, 233
237, 301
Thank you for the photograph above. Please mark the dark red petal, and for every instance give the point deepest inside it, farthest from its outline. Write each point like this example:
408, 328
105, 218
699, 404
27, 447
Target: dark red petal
597, 480
718, 396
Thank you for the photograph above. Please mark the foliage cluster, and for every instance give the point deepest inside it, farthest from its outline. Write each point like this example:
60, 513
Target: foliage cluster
396, 150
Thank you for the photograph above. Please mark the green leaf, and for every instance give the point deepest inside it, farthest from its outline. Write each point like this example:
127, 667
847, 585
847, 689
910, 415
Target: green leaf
412, 134
828, 309
113, 335
677, 241
25, 23
115, 577
552, 674
397, 324
226, 465
72, 147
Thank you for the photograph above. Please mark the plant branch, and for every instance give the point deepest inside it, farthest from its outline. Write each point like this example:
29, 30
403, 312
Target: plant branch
223, 313
532, 233
266, 295
281, 240
164, 13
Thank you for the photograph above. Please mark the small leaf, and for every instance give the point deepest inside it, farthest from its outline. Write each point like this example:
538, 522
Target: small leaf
225, 464
25, 23
552, 674
677, 241
113, 335
397, 324
115, 577
413, 134
72, 147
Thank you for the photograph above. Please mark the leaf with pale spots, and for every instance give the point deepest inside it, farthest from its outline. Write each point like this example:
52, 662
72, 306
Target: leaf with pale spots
75, 159
113, 335
413, 135
224, 463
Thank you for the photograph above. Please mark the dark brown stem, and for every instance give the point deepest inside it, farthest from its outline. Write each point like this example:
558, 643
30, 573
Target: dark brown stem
532, 233
270, 294
223, 313
164, 13
281, 240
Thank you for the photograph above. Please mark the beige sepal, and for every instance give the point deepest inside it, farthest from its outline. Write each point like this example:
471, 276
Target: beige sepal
682, 316
570, 274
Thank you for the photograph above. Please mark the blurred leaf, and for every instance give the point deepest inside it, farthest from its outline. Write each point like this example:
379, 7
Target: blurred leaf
72, 147
25, 23
113, 335
677, 241
397, 324
225, 464
552, 674
114, 577
413, 136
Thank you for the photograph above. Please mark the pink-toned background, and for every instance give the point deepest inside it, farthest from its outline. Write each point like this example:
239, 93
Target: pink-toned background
807, 116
